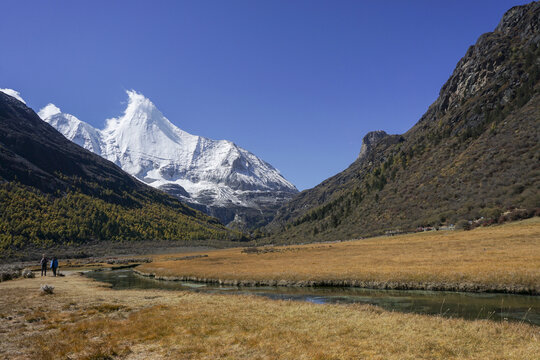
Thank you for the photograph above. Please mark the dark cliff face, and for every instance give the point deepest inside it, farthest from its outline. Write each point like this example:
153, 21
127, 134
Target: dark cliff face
474, 152
523, 21
495, 67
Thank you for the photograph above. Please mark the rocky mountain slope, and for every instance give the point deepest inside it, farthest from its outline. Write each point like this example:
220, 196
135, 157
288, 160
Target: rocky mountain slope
55, 192
473, 154
215, 176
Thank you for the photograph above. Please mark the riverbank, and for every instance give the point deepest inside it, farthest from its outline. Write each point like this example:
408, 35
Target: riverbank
469, 306
381, 285
83, 319
503, 258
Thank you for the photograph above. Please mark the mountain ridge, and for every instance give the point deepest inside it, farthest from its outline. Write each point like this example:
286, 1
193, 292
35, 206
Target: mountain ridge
454, 163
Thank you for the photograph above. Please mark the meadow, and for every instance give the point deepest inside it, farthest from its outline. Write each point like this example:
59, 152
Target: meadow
83, 319
503, 258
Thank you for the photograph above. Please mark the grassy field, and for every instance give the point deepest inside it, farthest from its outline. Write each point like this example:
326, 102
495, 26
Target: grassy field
497, 258
83, 320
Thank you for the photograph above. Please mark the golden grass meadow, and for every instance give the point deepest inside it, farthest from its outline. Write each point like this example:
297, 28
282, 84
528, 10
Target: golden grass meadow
497, 258
84, 319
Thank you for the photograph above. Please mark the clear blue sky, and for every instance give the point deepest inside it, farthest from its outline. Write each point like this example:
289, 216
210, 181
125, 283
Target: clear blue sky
298, 83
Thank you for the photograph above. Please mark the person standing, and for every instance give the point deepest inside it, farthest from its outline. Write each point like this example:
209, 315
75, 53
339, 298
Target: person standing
43, 264
54, 265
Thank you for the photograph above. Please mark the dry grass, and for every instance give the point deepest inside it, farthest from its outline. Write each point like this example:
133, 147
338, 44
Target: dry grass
85, 321
503, 258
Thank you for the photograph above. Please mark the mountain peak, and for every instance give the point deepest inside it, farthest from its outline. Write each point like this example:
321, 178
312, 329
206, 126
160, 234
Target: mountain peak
141, 117
521, 20
140, 109
49, 111
137, 101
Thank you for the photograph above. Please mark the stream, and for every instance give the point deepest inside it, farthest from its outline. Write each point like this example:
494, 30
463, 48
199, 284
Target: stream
497, 307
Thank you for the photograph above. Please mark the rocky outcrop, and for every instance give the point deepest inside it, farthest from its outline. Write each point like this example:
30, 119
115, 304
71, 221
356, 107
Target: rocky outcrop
370, 140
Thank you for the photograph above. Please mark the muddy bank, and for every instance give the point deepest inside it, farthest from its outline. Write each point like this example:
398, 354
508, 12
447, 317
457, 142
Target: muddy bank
382, 285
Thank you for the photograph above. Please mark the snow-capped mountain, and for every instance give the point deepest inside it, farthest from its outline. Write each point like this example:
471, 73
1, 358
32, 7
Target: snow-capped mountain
216, 176
74, 129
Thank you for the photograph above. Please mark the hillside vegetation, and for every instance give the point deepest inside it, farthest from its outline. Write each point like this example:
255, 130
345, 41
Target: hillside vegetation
30, 217
475, 152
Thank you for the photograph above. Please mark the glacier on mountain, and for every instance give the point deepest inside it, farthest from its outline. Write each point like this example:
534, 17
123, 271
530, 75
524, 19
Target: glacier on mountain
215, 176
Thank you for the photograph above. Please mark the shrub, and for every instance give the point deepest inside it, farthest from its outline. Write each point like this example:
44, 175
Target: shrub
9, 274
463, 224
47, 289
28, 274
491, 213
113, 261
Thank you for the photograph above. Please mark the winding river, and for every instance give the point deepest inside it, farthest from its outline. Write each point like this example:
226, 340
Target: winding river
498, 307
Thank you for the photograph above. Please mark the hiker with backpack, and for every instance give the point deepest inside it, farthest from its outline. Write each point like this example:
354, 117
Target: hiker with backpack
54, 265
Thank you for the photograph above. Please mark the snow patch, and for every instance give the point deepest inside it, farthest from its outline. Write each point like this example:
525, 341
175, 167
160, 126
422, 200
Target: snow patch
48, 111
13, 93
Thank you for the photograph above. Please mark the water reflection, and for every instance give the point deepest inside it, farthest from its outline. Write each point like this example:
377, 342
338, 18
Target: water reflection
499, 307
